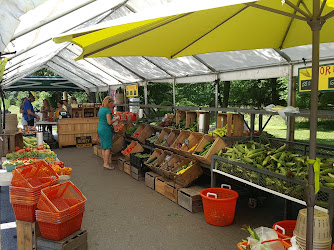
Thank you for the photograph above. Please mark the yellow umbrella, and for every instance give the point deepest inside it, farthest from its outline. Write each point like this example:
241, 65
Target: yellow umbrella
206, 27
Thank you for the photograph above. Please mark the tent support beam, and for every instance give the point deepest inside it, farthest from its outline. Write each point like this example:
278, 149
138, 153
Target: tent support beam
296, 8
44, 22
120, 82
204, 63
174, 93
127, 68
290, 101
72, 73
49, 39
88, 73
159, 67
216, 97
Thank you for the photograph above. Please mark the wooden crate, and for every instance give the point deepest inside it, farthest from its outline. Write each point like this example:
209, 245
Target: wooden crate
150, 179
173, 161
27, 233
125, 128
191, 117
171, 138
127, 167
230, 120
159, 161
180, 115
117, 144
75, 241
114, 157
206, 123
189, 176
138, 148
157, 152
137, 174
167, 188
120, 164
190, 199
193, 139
146, 133
217, 145
179, 141
99, 152
10, 141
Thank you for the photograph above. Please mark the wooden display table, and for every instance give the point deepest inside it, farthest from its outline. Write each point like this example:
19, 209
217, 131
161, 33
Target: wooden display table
70, 128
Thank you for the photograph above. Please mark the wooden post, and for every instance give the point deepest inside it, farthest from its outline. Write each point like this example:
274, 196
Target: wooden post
27, 233
292, 119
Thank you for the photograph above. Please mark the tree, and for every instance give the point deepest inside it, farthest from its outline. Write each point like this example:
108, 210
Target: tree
44, 72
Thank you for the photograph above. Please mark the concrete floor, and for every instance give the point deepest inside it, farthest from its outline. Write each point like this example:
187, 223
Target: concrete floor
122, 213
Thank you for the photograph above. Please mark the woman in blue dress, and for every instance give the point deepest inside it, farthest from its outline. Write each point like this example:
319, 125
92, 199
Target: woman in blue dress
104, 129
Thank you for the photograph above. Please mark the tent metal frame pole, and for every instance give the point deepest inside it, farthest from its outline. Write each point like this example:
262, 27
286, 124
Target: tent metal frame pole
216, 97
120, 82
174, 93
49, 20
205, 64
49, 39
88, 73
290, 80
159, 67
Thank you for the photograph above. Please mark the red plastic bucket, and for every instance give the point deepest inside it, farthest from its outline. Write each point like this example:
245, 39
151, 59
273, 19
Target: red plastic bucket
219, 205
285, 228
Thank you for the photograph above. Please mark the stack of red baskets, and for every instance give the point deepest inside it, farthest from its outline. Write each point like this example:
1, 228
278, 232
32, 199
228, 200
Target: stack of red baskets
26, 186
60, 211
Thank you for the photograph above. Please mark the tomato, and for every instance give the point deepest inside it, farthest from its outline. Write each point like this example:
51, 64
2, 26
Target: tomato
40, 147
28, 149
17, 148
21, 151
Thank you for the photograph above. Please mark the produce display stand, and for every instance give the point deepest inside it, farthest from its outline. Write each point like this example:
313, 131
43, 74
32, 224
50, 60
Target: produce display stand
70, 128
9, 142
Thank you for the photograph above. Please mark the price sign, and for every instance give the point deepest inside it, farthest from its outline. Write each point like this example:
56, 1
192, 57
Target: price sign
165, 137
83, 141
186, 142
131, 90
326, 78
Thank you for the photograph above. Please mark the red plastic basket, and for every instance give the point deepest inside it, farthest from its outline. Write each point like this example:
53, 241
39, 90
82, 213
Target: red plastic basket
60, 230
35, 175
285, 228
219, 205
61, 197
25, 212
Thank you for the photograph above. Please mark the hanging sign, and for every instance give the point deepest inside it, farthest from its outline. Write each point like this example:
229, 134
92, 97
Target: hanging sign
2, 67
326, 78
131, 90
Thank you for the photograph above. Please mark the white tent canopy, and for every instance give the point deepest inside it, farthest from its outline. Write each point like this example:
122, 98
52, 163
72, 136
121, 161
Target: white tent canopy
36, 50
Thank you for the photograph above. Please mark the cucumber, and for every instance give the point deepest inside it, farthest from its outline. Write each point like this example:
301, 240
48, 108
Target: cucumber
329, 185
328, 179
152, 160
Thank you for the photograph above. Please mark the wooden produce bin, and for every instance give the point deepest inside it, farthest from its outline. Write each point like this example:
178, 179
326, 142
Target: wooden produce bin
191, 117
179, 141
120, 164
217, 145
171, 138
206, 121
180, 115
163, 136
70, 128
189, 176
127, 168
167, 168
137, 148
190, 199
117, 144
194, 140
231, 120
146, 133
96, 149
157, 152
140, 128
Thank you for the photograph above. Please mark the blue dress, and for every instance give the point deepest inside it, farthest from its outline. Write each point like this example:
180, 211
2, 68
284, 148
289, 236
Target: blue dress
104, 129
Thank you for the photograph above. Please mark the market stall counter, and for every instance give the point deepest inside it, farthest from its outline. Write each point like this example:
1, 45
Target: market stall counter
70, 128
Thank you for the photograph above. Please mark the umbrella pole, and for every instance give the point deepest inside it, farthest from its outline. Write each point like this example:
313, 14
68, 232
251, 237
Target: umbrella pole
310, 190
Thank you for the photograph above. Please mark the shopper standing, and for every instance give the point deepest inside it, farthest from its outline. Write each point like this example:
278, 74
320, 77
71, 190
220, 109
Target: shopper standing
59, 109
47, 112
23, 121
73, 100
104, 129
28, 111
66, 106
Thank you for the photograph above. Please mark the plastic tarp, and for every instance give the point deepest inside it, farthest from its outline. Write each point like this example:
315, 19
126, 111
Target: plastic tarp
100, 74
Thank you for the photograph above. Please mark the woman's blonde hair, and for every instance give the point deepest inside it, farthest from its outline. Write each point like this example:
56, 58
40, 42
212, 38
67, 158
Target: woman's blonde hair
106, 101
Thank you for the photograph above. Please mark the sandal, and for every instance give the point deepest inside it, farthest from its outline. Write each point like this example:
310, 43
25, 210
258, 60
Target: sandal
109, 167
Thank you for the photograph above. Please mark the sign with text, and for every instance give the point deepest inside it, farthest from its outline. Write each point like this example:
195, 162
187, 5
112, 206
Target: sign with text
83, 141
326, 78
131, 90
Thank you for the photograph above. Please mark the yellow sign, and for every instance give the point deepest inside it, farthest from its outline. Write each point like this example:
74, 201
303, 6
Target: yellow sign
326, 78
131, 90
2, 67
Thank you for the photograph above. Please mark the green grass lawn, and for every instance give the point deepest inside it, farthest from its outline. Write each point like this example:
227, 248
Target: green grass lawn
16, 110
